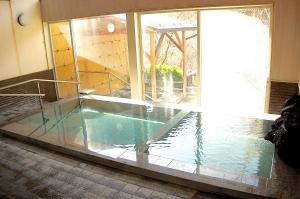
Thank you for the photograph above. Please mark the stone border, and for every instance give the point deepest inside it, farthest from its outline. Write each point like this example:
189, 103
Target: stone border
172, 171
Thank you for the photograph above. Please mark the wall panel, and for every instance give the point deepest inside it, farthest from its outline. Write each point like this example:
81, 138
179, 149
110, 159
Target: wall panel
9, 66
22, 48
280, 92
68, 9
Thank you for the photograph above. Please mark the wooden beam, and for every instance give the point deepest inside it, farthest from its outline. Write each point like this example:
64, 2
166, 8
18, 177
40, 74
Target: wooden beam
184, 62
57, 10
173, 41
177, 38
148, 56
152, 62
159, 45
191, 37
169, 30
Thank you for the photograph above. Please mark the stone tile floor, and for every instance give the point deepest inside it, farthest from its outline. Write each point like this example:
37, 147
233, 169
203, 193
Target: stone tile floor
12, 111
289, 186
27, 171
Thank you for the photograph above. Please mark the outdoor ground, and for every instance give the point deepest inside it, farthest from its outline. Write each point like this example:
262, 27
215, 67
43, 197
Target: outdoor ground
31, 172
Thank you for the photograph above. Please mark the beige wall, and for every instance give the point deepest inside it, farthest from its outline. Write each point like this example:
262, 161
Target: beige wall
21, 48
54, 10
286, 41
9, 64
286, 34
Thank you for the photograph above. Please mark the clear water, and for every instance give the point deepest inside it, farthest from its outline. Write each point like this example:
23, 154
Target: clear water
117, 130
225, 143
99, 124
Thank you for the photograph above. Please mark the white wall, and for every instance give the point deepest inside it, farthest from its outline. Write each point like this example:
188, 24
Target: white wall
21, 48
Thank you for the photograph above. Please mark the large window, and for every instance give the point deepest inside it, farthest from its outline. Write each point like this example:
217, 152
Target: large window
170, 56
102, 55
235, 59
219, 59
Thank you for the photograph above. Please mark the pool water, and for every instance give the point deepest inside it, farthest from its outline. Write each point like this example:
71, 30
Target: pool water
117, 130
99, 125
224, 143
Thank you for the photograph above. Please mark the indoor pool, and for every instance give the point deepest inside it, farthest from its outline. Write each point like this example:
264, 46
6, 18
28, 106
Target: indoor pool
232, 144
99, 124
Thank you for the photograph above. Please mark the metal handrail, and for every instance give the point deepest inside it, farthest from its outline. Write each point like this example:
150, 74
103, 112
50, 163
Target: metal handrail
119, 79
109, 78
110, 73
38, 80
146, 95
22, 95
40, 95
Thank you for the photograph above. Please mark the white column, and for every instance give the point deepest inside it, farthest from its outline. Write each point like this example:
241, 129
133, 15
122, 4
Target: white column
199, 58
135, 55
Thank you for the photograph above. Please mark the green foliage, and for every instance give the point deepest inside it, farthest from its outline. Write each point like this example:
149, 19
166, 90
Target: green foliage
164, 70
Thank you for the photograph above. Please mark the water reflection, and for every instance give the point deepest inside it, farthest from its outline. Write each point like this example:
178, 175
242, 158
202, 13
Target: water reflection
97, 126
224, 143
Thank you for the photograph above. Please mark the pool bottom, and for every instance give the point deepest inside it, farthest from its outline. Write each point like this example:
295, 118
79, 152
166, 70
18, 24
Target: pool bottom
200, 178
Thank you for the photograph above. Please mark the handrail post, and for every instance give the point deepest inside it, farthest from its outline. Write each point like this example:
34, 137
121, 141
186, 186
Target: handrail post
109, 86
41, 102
78, 94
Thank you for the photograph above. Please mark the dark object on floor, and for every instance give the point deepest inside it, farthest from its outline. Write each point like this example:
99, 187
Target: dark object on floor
285, 133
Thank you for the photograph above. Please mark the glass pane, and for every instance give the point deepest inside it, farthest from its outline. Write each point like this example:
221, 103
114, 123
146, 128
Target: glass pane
102, 55
170, 56
63, 58
235, 59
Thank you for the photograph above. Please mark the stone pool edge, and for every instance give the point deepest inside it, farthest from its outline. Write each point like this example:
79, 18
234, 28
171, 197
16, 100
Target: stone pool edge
200, 182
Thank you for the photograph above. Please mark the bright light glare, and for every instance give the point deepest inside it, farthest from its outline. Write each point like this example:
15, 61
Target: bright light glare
235, 62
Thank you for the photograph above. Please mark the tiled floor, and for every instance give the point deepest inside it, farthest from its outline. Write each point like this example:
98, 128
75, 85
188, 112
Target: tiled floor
10, 112
289, 179
31, 172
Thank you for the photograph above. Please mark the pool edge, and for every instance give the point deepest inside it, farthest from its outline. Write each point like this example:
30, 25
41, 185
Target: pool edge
202, 183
